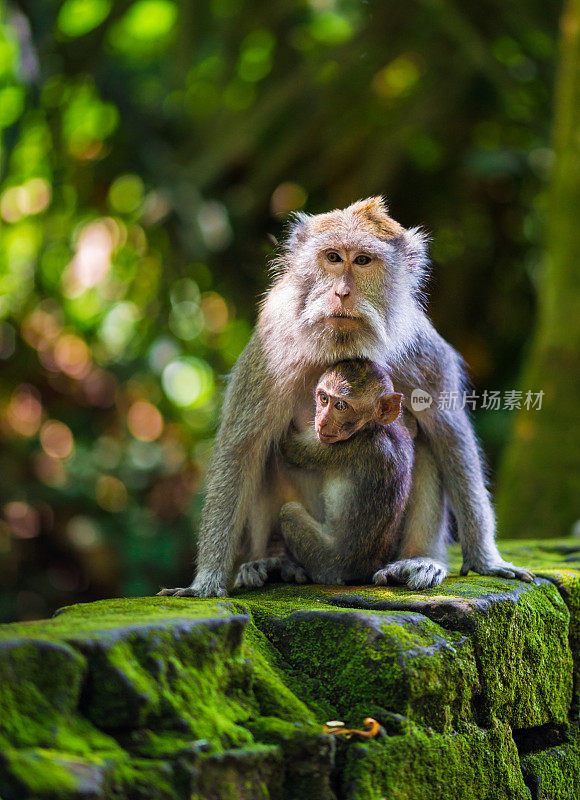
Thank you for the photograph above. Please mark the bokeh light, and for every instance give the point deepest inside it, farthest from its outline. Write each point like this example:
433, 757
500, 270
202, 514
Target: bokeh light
49, 470
43, 325
118, 327
186, 320
56, 439
32, 197
162, 352
215, 311
126, 193
99, 388
286, 198
92, 260
214, 225
399, 78
83, 532
145, 421
188, 382
23, 519
87, 122
72, 356
24, 411
144, 29
111, 494
78, 17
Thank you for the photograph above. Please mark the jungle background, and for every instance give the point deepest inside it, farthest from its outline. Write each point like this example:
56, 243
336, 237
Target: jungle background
151, 150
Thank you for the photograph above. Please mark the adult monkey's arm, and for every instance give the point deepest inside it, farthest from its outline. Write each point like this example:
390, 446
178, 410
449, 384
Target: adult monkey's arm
250, 423
454, 446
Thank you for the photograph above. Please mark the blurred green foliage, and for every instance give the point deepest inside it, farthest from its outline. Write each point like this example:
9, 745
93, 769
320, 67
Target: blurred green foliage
148, 149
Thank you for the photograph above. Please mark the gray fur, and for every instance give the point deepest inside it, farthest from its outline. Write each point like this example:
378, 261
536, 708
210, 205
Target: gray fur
291, 346
421, 561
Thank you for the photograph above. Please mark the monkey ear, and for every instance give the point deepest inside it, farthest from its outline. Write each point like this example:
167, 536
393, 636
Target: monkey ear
415, 243
297, 229
388, 408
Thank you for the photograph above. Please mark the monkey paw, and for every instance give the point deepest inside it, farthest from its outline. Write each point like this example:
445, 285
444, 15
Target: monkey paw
253, 574
292, 572
187, 591
416, 573
499, 569
207, 585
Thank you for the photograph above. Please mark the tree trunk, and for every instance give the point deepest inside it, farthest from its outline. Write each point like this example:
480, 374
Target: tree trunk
539, 481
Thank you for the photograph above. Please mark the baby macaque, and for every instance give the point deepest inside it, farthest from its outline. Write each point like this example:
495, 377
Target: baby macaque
364, 456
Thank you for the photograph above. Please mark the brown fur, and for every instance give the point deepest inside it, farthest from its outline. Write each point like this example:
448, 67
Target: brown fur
365, 484
369, 216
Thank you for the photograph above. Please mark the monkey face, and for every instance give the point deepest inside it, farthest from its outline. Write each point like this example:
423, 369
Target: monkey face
348, 282
336, 419
349, 276
342, 298
339, 414
352, 394
347, 272
347, 279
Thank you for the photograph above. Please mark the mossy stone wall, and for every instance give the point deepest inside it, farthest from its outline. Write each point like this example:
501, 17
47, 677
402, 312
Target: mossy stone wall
475, 685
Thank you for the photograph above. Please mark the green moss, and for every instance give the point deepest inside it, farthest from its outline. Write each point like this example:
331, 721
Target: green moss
40, 686
162, 744
176, 698
524, 659
144, 779
273, 696
568, 583
108, 616
554, 774
181, 676
252, 773
343, 661
308, 757
557, 560
472, 765
519, 634
36, 773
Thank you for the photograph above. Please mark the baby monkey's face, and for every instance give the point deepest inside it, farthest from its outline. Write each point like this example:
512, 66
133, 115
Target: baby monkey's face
341, 411
337, 418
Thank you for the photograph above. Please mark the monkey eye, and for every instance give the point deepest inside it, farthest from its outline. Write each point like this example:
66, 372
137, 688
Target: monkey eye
323, 399
340, 405
333, 257
362, 260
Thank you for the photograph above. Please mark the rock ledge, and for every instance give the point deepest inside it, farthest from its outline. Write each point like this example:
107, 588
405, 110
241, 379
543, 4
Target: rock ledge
475, 684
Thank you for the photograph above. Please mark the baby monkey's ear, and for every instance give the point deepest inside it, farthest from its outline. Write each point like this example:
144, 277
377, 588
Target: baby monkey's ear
388, 408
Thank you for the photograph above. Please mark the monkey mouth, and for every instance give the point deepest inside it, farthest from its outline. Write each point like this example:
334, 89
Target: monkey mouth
344, 320
327, 438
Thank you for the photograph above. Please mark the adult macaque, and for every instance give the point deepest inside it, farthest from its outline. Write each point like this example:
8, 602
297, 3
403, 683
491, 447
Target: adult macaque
349, 286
